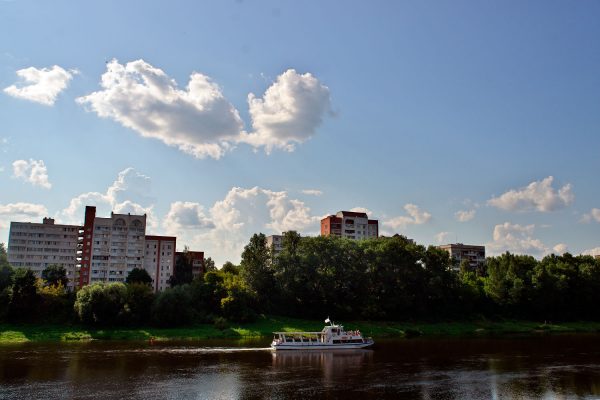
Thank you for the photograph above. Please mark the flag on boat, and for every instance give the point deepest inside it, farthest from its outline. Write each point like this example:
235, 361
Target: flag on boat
327, 320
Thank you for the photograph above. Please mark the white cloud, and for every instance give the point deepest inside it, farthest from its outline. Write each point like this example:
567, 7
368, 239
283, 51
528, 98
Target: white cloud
312, 192
40, 85
197, 120
362, 209
591, 252
127, 194
442, 237
538, 195
32, 171
560, 248
464, 215
290, 111
593, 215
415, 217
186, 216
224, 230
516, 239
21, 212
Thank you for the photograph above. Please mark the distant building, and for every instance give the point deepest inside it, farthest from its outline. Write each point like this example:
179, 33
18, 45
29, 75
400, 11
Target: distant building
474, 254
36, 246
197, 258
110, 247
275, 244
159, 260
351, 225
597, 256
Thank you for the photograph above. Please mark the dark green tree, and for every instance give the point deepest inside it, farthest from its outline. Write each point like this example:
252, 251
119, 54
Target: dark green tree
138, 304
25, 299
6, 270
209, 265
256, 272
173, 307
230, 268
102, 304
55, 275
183, 270
139, 275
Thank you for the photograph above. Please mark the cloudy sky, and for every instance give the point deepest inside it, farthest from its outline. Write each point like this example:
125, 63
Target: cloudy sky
475, 122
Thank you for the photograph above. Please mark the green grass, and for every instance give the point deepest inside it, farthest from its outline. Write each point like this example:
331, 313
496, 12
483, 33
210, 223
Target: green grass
264, 326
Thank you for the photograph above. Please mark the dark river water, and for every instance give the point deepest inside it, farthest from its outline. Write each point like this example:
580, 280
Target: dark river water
544, 367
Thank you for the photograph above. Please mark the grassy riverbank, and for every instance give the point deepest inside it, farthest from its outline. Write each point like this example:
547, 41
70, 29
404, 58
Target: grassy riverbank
11, 333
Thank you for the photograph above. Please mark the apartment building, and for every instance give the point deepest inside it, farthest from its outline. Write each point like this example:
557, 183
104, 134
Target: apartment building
459, 252
197, 259
38, 245
350, 224
159, 260
275, 244
109, 248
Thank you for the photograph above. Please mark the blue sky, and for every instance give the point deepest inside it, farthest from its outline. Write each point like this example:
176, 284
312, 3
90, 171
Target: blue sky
415, 111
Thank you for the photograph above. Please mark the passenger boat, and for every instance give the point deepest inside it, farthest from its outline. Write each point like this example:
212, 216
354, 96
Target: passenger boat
333, 336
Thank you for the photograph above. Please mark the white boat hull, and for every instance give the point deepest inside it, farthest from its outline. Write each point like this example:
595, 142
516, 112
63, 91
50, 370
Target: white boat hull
320, 346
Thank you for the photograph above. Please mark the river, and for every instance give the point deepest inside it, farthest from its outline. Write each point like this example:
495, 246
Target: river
542, 367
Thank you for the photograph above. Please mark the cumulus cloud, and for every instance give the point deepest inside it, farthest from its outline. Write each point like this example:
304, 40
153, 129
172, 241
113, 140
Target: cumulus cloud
21, 212
593, 215
312, 192
464, 215
560, 248
592, 252
415, 216
224, 229
197, 120
289, 113
185, 215
32, 171
538, 196
362, 209
40, 85
518, 239
442, 237
127, 194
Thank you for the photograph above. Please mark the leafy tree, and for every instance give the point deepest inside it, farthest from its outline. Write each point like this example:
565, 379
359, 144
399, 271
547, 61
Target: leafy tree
138, 304
101, 303
138, 275
6, 270
173, 307
24, 295
56, 303
255, 270
230, 268
209, 265
183, 270
55, 275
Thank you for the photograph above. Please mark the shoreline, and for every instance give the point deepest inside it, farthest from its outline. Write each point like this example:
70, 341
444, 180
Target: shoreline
263, 327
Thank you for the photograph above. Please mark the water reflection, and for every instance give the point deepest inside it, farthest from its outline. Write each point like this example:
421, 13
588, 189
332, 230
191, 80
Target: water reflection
526, 368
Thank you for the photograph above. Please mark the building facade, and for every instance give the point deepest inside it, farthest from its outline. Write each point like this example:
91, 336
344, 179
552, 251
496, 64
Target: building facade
350, 224
275, 244
39, 245
109, 248
159, 260
474, 254
197, 260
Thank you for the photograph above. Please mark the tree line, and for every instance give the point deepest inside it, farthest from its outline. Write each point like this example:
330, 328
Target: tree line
387, 278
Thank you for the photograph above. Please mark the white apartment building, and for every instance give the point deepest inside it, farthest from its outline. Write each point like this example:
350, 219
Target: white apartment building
275, 244
350, 224
459, 252
110, 247
38, 245
159, 260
